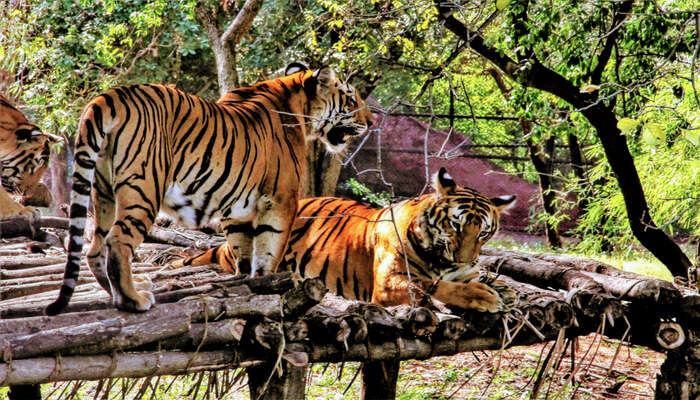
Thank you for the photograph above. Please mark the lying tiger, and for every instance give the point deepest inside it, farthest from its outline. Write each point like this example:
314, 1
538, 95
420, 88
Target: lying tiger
24, 156
360, 254
147, 148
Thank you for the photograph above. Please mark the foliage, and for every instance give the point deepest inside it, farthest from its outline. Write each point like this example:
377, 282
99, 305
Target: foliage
63, 52
362, 192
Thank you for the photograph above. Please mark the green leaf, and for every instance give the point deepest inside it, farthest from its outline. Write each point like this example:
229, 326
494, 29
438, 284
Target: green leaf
627, 125
502, 4
692, 135
653, 134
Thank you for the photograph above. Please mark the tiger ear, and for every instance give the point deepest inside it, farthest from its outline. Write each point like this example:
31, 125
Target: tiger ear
324, 76
295, 67
443, 182
504, 203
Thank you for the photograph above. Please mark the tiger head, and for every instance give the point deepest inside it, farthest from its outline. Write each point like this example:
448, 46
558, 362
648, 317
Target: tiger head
458, 222
24, 154
337, 111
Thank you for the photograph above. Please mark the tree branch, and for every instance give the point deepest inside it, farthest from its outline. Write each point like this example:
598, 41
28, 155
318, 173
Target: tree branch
206, 17
242, 22
611, 36
532, 73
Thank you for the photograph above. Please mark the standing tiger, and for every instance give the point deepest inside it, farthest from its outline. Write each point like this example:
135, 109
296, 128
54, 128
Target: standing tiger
146, 148
361, 254
24, 157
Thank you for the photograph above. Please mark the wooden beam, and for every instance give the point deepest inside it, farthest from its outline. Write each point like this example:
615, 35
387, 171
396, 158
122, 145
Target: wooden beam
265, 383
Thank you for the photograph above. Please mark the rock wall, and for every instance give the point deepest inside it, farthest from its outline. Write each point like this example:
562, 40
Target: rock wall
406, 172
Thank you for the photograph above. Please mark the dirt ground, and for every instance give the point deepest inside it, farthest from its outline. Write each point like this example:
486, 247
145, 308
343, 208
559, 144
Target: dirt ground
511, 375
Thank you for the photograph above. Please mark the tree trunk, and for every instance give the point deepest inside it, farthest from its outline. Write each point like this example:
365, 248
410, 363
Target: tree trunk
603, 119
224, 44
577, 165
542, 161
58, 165
322, 171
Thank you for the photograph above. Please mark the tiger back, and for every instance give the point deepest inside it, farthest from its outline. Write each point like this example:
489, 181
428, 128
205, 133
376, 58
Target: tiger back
24, 157
237, 161
390, 256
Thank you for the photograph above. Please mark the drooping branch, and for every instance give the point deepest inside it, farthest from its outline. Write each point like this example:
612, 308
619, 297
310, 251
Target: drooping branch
532, 73
610, 38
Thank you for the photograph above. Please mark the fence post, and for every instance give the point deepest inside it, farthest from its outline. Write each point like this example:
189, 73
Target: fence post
25, 392
379, 379
289, 386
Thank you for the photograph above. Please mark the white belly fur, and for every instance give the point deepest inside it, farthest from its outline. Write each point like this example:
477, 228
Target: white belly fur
184, 208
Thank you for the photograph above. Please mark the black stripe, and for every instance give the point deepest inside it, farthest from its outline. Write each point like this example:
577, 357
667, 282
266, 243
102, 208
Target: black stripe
260, 229
239, 228
324, 270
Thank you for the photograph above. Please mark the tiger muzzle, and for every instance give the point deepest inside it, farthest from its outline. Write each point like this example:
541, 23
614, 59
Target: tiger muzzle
338, 133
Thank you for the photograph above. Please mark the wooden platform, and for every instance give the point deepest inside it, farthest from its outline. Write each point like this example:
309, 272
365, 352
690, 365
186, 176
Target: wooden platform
209, 320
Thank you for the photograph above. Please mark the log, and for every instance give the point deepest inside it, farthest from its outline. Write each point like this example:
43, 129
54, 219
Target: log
58, 339
329, 324
540, 273
679, 376
624, 285
380, 324
211, 290
267, 333
95, 338
544, 307
9, 263
640, 289
132, 365
296, 331
159, 234
19, 225
324, 328
415, 321
135, 335
55, 272
274, 283
211, 334
198, 310
587, 294
23, 225
450, 327
406, 348
298, 300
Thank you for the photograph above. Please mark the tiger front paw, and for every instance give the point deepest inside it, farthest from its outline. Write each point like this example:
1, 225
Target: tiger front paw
480, 297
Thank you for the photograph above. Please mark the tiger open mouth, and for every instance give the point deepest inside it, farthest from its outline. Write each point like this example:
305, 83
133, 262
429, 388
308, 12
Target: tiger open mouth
338, 133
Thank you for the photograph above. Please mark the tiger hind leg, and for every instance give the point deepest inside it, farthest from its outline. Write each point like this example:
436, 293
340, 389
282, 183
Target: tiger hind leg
97, 255
126, 234
272, 226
